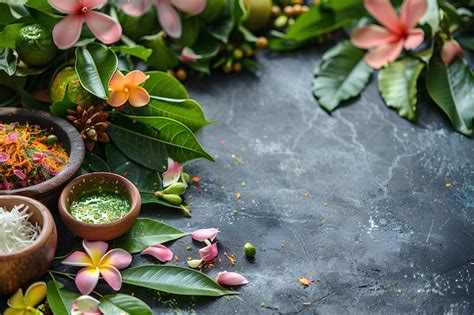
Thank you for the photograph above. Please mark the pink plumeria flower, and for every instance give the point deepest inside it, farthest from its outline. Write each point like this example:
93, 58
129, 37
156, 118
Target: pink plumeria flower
387, 43
160, 252
20, 174
172, 174
167, 16
450, 50
231, 279
209, 253
97, 261
85, 305
188, 55
4, 157
202, 235
67, 32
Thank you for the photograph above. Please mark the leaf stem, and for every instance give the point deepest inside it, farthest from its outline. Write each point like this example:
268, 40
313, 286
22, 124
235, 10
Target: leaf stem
186, 211
64, 274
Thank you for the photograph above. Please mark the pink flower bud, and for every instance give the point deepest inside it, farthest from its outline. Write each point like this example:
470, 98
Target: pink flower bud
231, 279
450, 50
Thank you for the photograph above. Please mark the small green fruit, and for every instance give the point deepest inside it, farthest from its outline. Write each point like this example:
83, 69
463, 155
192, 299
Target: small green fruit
238, 54
35, 45
51, 139
173, 199
260, 12
175, 189
250, 250
186, 177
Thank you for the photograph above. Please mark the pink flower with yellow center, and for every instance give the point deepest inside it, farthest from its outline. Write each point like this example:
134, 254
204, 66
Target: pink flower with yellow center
125, 88
67, 32
167, 16
386, 43
96, 262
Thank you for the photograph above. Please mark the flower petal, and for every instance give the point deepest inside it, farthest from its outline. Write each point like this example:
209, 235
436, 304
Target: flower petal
93, 4
86, 279
112, 276
138, 96
86, 303
382, 55
95, 250
160, 252
209, 253
188, 55
136, 77
35, 294
78, 259
450, 50
383, 11
17, 300
117, 258
117, 98
118, 81
372, 36
412, 11
14, 311
169, 18
172, 174
231, 278
193, 6
414, 38
104, 28
66, 6
67, 32
194, 263
136, 7
204, 234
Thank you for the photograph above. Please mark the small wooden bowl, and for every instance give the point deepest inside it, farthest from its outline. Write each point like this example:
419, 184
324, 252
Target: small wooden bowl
106, 182
20, 268
48, 191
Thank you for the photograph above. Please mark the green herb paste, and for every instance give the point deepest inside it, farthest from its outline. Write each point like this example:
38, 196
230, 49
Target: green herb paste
99, 207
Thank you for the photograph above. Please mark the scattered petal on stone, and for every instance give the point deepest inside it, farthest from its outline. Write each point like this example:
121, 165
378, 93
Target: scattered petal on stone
305, 281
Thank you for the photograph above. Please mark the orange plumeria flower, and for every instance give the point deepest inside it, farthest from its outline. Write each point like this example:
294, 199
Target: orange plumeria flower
125, 88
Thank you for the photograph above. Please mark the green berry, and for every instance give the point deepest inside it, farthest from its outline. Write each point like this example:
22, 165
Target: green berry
250, 250
238, 54
51, 139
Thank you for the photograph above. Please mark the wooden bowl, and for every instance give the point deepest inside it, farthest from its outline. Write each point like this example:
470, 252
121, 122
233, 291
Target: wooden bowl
48, 191
106, 182
21, 268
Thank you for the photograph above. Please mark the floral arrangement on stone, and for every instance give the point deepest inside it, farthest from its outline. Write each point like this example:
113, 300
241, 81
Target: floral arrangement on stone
414, 44
96, 263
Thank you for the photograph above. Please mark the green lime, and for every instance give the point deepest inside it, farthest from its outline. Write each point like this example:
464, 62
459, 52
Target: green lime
213, 10
250, 250
260, 12
35, 45
137, 27
67, 79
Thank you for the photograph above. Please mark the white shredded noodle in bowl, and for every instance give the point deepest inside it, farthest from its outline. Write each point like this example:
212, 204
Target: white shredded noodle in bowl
16, 231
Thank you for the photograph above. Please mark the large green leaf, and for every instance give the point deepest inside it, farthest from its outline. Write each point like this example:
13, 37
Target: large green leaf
397, 84
222, 28
174, 280
162, 58
122, 304
186, 111
94, 163
452, 89
341, 75
59, 298
8, 61
135, 51
164, 85
7, 16
150, 140
95, 65
147, 181
146, 232
9, 34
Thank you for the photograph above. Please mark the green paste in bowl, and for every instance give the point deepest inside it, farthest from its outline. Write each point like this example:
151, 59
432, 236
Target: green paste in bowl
99, 207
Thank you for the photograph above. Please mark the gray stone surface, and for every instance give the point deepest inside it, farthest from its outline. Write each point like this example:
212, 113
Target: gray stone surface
378, 232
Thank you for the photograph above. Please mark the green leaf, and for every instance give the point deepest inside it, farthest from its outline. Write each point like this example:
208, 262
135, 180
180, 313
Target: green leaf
150, 140
122, 304
222, 28
147, 180
162, 57
9, 34
341, 75
95, 65
452, 89
190, 32
135, 51
60, 299
467, 42
6, 14
186, 111
165, 85
94, 163
397, 84
146, 232
174, 280
431, 16
8, 61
